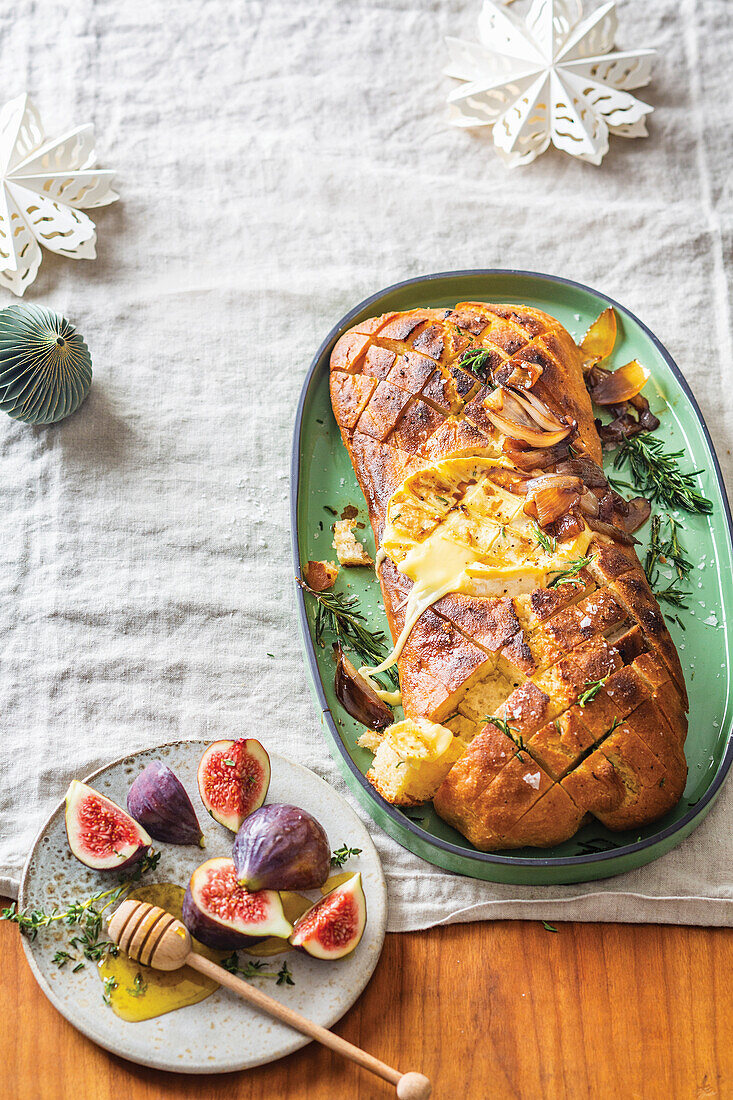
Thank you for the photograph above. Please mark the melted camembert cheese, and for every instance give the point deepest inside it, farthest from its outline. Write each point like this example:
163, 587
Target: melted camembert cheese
505, 559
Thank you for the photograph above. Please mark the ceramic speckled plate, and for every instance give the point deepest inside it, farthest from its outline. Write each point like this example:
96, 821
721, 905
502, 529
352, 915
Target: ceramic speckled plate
323, 481
221, 1033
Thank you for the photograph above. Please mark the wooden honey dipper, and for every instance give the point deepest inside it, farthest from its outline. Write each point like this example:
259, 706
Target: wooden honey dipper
155, 938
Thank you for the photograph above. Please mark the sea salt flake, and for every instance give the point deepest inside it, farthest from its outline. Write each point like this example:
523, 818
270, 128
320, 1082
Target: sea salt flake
532, 780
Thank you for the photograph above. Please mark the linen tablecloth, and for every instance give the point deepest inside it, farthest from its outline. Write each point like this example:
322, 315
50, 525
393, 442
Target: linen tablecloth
277, 163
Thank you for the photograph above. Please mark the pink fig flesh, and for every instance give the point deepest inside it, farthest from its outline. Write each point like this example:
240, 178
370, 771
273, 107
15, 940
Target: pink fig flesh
101, 835
333, 927
221, 914
233, 778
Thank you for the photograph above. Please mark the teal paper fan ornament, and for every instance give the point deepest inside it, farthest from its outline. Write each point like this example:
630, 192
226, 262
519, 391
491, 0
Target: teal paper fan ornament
45, 366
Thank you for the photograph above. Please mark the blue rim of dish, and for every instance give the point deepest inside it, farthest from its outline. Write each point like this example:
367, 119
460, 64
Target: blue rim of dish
400, 819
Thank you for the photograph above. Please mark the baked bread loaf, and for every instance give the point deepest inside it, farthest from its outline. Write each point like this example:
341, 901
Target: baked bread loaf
539, 681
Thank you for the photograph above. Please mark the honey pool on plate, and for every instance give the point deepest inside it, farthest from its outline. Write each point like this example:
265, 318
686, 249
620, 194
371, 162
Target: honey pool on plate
136, 992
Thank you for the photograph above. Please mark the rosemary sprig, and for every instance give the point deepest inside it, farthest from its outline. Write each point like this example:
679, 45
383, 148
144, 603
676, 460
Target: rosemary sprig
656, 473
477, 361
591, 690
341, 855
85, 916
340, 614
547, 542
667, 551
569, 575
502, 725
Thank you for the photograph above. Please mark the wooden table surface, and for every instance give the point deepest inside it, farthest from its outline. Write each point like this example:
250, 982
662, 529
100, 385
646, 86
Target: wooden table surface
488, 1011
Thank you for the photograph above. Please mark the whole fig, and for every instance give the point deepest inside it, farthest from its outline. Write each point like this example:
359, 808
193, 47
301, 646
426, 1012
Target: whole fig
281, 847
158, 800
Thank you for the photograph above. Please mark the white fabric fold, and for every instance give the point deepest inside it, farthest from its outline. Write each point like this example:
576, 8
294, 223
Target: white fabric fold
276, 163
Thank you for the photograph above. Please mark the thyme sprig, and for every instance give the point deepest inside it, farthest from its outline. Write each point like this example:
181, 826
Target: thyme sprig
569, 575
340, 614
656, 473
256, 969
341, 855
84, 916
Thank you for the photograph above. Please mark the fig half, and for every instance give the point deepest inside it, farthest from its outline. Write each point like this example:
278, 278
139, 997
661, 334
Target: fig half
233, 778
281, 847
101, 835
333, 927
219, 913
158, 800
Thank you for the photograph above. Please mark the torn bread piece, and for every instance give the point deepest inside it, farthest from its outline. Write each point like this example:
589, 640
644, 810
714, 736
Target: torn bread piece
349, 550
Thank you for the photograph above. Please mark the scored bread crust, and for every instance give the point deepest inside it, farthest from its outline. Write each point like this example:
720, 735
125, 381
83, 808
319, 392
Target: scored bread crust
403, 403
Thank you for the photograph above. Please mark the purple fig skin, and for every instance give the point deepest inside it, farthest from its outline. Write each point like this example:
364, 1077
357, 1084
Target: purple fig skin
281, 847
158, 800
207, 929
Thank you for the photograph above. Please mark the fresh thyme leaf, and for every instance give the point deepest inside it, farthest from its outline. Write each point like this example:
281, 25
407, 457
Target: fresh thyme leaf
548, 927
341, 855
84, 916
256, 969
656, 473
547, 542
591, 690
138, 986
284, 977
569, 575
61, 958
477, 360
340, 614
77, 968
614, 726
229, 763
109, 984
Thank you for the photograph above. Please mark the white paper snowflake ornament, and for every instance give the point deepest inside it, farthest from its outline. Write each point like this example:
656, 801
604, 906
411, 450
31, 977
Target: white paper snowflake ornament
548, 78
44, 184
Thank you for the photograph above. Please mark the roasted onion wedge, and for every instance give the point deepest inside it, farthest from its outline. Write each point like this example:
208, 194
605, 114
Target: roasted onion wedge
525, 418
357, 697
599, 339
615, 387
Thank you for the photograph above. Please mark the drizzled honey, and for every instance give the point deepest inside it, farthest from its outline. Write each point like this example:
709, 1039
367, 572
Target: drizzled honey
136, 992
